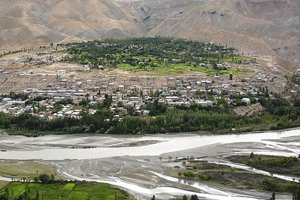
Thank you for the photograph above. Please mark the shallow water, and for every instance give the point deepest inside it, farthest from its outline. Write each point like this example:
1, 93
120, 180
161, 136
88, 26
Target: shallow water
166, 145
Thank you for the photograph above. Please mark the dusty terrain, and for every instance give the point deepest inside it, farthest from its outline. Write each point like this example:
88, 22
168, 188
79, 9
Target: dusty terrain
256, 27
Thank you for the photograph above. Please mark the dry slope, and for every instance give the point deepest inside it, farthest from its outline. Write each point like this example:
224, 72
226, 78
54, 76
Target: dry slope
258, 26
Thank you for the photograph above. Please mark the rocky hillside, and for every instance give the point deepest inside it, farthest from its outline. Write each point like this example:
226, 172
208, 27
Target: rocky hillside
254, 26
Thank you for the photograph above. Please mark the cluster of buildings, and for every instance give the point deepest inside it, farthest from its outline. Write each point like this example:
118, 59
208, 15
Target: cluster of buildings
126, 92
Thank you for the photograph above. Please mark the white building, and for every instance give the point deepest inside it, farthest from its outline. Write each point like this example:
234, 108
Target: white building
86, 68
246, 100
61, 73
204, 103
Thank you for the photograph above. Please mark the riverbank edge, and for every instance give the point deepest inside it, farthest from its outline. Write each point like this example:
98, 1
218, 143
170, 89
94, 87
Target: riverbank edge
13, 132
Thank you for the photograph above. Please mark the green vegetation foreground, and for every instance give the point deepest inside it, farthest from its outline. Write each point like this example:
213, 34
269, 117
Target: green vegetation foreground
66, 191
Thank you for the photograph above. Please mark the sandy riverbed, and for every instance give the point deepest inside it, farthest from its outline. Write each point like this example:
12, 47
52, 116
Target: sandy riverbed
137, 163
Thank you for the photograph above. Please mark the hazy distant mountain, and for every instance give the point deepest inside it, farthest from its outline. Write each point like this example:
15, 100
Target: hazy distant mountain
263, 26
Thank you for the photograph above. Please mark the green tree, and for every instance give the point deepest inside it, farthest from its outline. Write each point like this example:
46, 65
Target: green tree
52, 177
107, 101
273, 196
37, 195
296, 194
297, 101
6, 193
44, 178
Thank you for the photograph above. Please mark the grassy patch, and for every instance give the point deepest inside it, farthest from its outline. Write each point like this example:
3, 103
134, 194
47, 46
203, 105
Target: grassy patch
22, 169
235, 59
16, 189
234, 177
177, 69
67, 191
3, 184
69, 186
273, 164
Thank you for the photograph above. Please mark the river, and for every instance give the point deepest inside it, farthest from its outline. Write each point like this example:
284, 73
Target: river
81, 157
165, 144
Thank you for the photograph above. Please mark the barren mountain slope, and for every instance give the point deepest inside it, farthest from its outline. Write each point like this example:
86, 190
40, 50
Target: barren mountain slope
36, 22
264, 26
261, 26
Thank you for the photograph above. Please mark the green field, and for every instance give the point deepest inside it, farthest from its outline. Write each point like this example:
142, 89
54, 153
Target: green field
66, 191
177, 69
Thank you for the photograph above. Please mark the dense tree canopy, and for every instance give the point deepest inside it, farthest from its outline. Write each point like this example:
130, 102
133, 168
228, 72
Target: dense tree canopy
147, 52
